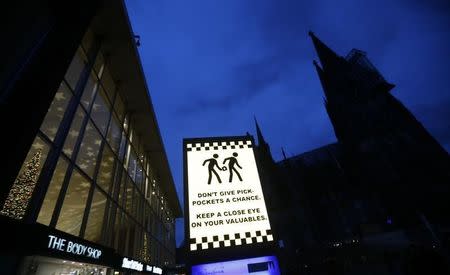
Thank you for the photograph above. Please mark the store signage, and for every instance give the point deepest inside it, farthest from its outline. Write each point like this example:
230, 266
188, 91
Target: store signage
225, 200
154, 269
260, 265
138, 266
132, 264
64, 245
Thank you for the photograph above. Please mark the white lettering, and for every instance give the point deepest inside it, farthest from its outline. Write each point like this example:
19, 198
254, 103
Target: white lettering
50, 241
94, 253
154, 269
56, 243
217, 209
131, 264
76, 248
73, 247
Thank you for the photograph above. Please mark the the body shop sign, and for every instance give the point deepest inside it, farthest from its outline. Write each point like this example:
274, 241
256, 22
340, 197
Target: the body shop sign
73, 247
224, 196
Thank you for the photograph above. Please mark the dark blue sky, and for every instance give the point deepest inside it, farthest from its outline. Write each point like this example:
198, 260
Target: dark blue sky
213, 64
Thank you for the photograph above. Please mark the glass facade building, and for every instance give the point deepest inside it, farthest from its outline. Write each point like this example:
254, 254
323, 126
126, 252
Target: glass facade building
96, 170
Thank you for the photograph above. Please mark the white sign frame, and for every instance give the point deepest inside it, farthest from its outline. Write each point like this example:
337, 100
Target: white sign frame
229, 213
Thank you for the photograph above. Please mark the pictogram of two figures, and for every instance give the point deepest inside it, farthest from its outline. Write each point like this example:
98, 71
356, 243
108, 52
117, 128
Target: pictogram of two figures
232, 163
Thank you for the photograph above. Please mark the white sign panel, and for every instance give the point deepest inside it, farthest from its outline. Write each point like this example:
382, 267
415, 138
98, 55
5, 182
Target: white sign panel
132, 264
64, 245
226, 202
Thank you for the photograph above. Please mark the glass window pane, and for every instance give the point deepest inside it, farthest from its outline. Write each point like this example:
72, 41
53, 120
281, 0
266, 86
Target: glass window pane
148, 224
108, 223
46, 212
122, 189
108, 84
123, 142
23, 187
119, 107
146, 248
140, 152
72, 136
99, 65
139, 176
156, 203
145, 163
89, 90
101, 111
116, 181
117, 226
136, 142
129, 196
127, 156
56, 111
74, 204
149, 168
139, 242
88, 39
132, 164
75, 68
105, 173
126, 123
135, 204
147, 188
96, 217
131, 237
89, 149
131, 136
140, 209
123, 234
114, 135
154, 248
157, 253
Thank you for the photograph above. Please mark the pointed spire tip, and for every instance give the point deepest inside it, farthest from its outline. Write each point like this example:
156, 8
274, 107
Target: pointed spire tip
258, 133
284, 154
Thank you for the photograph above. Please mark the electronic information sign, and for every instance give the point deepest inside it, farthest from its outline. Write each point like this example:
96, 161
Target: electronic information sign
225, 200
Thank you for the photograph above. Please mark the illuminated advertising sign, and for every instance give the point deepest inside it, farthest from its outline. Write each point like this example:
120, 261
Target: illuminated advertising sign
139, 266
153, 269
225, 200
261, 265
72, 247
132, 264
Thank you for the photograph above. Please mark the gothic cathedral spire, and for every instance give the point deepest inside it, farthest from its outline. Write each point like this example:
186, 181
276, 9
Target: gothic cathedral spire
328, 58
262, 144
261, 140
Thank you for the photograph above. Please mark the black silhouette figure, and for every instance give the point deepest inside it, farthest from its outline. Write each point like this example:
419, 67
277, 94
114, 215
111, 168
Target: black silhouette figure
231, 162
211, 165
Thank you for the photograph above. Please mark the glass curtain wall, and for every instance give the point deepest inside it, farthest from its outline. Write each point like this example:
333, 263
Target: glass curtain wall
103, 187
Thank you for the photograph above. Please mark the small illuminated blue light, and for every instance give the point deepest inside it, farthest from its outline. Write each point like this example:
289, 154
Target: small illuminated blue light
260, 265
389, 221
